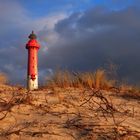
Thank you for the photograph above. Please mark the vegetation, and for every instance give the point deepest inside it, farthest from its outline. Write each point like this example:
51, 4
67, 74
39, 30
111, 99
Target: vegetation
97, 80
3, 78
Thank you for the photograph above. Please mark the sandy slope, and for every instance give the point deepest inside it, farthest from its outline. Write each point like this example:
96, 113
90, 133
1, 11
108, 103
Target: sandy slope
64, 114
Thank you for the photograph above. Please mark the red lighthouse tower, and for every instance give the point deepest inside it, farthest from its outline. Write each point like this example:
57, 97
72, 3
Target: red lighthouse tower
32, 74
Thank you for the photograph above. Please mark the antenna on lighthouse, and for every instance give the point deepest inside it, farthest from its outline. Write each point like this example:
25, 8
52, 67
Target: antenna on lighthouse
32, 35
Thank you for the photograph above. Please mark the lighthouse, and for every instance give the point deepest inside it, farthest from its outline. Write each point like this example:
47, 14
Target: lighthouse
32, 71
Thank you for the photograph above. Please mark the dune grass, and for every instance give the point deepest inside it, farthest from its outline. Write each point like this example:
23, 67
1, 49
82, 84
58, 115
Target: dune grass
97, 79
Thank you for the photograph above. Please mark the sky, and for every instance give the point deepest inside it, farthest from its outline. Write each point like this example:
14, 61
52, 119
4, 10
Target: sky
78, 35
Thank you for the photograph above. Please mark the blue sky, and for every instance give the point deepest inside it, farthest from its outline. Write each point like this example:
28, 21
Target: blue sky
39, 8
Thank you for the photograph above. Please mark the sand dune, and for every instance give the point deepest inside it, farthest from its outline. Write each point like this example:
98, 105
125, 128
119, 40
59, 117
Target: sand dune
67, 114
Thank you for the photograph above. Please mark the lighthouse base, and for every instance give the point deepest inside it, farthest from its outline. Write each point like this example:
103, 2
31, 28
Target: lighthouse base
32, 84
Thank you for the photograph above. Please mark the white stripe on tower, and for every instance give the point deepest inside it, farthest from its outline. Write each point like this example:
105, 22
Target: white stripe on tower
32, 84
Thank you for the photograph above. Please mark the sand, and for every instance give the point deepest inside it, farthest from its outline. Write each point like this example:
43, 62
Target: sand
67, 114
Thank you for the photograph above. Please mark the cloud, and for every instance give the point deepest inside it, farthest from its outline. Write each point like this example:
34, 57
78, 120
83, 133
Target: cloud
87, 40
16, 24
77, 41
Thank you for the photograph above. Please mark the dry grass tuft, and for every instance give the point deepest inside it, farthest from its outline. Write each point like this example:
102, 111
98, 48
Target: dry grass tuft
102, 81
3, 78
